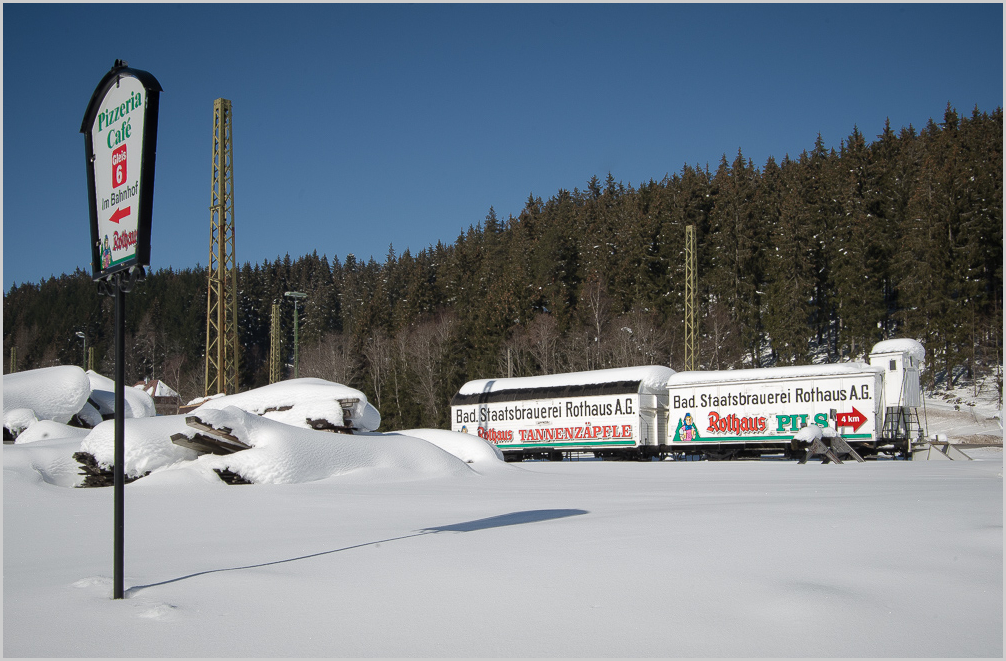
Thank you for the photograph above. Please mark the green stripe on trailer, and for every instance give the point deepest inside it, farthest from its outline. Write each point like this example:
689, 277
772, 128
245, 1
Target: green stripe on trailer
525, 446
734, 439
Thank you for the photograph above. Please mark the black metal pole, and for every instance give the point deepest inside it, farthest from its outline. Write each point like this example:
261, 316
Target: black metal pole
296, 343
120, 428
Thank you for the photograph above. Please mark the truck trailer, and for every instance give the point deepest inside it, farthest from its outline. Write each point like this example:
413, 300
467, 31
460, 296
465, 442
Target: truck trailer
612, 413
653, 411
753, 412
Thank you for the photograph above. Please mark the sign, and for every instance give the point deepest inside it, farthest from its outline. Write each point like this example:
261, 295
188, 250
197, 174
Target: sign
120, 143
773, 410
592, 421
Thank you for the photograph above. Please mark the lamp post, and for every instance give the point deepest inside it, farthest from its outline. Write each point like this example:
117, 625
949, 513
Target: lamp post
83, 336
296, 296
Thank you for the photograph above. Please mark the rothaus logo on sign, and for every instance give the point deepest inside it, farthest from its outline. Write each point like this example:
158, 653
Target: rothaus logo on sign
700, 415
116, 137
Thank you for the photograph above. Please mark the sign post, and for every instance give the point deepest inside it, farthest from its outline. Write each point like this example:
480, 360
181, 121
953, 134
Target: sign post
120, 144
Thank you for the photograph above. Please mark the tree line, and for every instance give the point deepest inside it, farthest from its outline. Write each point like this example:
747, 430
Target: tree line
812, 258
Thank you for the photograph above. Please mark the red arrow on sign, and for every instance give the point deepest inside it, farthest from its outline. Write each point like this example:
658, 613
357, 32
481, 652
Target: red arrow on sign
119, 214
854, 419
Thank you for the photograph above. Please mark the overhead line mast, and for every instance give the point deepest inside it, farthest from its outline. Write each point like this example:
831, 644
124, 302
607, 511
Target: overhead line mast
221, 295
274, 344
691, 335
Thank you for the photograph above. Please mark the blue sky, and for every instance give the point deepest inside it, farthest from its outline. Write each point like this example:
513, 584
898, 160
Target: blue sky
361, 126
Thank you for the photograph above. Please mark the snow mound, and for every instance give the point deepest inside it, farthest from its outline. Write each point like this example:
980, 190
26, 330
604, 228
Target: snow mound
466, 447
89, 416
285, 454
913, 348
138, 403
50, 461
51, 393
202, 400
810, 433
296, 401
652, 378
44, 430
17, 420
773, 373
148, 445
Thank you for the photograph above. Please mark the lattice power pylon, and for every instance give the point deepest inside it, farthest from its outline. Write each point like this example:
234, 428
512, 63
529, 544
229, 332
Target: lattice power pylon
691, 323
275, 345
221, 296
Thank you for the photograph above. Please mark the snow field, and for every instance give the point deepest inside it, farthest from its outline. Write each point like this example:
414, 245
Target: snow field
542, 559
425, 543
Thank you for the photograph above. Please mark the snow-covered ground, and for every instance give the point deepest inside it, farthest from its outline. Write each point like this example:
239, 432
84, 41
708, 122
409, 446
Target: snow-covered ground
424, 543
964, 417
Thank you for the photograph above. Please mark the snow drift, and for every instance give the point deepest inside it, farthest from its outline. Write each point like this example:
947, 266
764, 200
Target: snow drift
147, 446
274, 422
138, 403
285, 454
297, 402
652, 379
57, 394
50, 393
43, 430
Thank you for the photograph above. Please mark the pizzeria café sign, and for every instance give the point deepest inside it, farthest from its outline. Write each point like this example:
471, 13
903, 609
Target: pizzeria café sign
120, 145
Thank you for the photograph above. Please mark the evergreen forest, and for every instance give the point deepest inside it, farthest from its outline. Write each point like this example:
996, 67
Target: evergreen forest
806, 259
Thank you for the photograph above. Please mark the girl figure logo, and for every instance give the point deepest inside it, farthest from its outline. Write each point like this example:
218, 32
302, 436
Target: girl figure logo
106, 255
687, 431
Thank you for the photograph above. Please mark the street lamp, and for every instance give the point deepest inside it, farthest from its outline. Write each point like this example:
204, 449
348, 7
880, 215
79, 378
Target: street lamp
296, 296
83, 336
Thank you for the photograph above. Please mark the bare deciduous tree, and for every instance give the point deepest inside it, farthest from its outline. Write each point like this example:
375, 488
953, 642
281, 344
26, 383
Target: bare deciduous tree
515, 356
719, 337
636, 339
331, 358
580, 351
543, 339
378, 352
427, 345
598, 307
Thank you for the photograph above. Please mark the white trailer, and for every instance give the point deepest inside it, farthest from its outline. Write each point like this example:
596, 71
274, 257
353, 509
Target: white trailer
736, 413
611, 413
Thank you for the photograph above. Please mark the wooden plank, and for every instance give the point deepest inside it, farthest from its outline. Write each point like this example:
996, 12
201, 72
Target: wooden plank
840, 447
205, 444
222, 432
230, 477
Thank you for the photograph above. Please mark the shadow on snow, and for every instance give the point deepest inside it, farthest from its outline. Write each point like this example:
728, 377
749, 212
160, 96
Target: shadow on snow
500, 521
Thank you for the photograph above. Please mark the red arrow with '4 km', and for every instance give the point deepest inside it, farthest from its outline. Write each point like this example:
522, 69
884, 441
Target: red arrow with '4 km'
119, 214
854, 419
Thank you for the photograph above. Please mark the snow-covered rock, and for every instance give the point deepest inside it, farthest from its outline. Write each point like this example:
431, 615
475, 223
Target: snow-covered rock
51, 393
284, 454
296, 401
467, 447
89, 416
17, 420
138, 403
45, 430
148, 445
